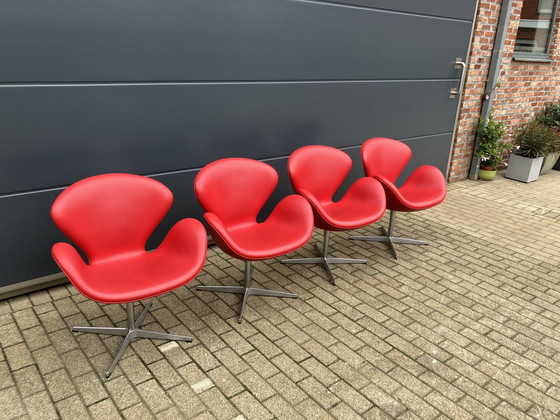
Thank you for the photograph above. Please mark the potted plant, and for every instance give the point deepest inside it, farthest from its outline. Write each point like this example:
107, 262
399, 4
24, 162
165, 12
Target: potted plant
533, 141
491, 147
550, 116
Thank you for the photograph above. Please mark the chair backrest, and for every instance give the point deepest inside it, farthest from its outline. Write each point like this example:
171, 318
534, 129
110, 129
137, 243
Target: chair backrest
112, 214
386, 157
318, 169
235, 189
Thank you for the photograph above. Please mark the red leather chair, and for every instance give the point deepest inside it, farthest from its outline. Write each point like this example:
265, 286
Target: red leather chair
384, 159
317, 172
110, 217
232, 192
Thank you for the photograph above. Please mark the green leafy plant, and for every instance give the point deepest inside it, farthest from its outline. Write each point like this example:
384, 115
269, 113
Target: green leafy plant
550, 115
534, 139
491, 146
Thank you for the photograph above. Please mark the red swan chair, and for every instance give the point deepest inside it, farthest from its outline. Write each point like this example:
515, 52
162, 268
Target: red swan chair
384, 159
317, 172
232, 192
110, 217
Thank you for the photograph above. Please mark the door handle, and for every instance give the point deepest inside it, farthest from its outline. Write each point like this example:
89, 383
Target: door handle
459, 64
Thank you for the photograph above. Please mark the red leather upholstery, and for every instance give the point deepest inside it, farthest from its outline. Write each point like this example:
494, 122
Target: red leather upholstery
384, 159
317, 172
110, 218
232, 192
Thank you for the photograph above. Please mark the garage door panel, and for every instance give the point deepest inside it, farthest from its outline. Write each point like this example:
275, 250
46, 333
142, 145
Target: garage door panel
58, 135
216, 40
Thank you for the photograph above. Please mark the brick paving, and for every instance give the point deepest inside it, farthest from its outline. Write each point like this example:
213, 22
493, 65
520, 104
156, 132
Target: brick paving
467, 327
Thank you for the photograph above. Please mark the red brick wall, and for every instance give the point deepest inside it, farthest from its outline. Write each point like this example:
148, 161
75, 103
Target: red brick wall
524, 87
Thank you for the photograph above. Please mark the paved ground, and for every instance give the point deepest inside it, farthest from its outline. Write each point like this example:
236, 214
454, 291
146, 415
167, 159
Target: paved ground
467, 327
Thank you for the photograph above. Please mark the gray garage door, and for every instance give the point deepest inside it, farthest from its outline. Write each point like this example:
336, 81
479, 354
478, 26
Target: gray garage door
161, 88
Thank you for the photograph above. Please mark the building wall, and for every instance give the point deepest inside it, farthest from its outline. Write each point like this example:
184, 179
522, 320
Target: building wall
522, 91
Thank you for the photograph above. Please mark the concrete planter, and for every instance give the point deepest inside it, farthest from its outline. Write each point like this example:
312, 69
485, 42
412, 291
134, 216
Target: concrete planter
523, 169
549, 162
557, 166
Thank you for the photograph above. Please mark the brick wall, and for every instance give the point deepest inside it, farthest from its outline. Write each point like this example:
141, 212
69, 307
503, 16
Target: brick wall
524, 87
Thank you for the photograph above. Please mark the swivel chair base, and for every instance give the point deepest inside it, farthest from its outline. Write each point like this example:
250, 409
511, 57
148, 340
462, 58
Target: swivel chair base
246, 290
389, 238
132, 331
324, 259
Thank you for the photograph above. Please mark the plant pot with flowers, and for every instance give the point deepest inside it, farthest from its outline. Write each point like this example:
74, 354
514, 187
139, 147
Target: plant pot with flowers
533, 141
550, 116
491, 147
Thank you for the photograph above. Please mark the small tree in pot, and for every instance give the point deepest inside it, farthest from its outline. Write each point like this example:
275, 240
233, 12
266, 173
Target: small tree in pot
491, 147
533, 141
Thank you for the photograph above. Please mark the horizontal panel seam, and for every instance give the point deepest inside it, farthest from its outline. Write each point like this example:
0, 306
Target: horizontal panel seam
202, 83
184, 171
381, 10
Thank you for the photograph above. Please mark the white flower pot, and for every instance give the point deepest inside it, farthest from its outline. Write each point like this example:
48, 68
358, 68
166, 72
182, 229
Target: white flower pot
523, 169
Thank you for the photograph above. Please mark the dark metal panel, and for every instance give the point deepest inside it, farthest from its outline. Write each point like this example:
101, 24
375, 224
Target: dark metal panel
28, 232
455, 9
193, 40
54, 136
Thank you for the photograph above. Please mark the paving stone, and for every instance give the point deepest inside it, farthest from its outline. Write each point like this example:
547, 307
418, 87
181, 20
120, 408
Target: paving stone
250, 407
154, 396
47, 360
220, 407
11, 403
59, 385
72, 408
91, 388
18, 356
186, 401
10, 335
281, 409
257, 386
28, 380
39, 406
105, 409
309, 409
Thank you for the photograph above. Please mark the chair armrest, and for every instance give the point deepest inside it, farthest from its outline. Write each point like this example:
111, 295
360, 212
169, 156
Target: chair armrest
220, 233
426, 180
294, 209
188, 239
428, 175
70, 261
367, 192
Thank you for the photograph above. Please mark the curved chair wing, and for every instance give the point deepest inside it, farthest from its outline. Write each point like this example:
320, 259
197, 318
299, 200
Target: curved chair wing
384, 159
235, 189
232, 192
110, 217
383, 156
317, 172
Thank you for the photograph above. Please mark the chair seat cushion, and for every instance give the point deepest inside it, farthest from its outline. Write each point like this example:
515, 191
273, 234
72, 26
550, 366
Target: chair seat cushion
135, 278
363, 204
423, 189
287, 228
138, 275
